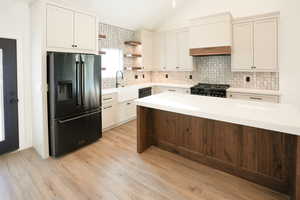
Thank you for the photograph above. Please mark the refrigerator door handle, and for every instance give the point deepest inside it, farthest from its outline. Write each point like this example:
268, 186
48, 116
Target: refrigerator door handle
79, 117
78, 98
82, 83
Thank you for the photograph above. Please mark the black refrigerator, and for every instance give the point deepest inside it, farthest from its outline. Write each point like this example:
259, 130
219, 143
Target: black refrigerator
74, 101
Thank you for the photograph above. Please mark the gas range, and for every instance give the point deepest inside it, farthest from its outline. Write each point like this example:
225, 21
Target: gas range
213, 90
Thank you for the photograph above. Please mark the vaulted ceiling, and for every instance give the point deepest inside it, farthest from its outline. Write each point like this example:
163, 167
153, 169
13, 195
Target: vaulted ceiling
130, 14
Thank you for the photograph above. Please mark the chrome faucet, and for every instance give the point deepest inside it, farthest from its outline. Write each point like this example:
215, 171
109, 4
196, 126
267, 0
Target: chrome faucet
117, 78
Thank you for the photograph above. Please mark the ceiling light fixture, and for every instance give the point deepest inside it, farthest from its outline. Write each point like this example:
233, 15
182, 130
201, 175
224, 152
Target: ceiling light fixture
174, 3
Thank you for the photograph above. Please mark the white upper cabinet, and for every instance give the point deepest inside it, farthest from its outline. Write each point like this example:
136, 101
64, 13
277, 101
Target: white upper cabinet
85, 31
185, 61
265, 44
171, 51
68, 30
59, 27
211, 31
159, 50
242, 50
255, 44
146, 38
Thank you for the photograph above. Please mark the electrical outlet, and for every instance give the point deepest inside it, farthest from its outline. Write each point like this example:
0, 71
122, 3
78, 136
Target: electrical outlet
247, 79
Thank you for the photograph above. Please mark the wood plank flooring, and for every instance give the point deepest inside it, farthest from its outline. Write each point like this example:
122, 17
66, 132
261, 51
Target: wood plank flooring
112, 170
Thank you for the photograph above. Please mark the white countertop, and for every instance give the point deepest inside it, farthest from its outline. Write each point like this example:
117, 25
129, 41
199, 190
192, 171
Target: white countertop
109, 91
276, 117
115, 90
254, 91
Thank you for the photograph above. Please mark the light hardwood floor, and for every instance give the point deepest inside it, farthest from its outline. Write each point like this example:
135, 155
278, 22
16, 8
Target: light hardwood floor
112, 170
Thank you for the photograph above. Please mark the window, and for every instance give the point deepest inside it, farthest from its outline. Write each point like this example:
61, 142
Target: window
112, 61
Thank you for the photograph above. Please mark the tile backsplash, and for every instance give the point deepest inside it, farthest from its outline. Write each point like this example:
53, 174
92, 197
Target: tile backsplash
208, 69
217, 70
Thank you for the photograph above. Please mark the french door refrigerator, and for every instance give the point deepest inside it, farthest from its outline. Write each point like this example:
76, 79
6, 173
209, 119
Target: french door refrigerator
74, 101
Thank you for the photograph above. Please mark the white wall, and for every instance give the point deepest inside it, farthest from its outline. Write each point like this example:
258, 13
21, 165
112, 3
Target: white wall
289, 38
15, 24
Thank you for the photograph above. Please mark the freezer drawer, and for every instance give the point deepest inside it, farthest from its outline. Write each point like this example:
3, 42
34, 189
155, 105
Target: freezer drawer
70, 134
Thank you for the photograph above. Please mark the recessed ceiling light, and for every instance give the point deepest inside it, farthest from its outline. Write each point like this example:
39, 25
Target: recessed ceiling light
174, 3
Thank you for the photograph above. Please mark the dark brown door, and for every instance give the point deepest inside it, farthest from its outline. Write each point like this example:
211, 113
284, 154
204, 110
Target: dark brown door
9, 135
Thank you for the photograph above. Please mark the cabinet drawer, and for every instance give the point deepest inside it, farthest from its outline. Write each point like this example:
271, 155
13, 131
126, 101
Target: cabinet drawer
108, 98
127, 111
108, 115
158, 90
254, 97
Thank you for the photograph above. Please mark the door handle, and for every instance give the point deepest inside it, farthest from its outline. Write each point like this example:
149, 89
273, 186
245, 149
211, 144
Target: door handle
256, 98
82, 83
14, 100
78, 99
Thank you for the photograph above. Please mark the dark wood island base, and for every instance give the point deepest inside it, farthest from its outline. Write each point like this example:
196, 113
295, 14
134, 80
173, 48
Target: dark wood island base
265, 157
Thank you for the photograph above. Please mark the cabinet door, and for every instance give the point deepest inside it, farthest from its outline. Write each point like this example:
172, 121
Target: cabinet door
159, 51
127, 111
211, 35
242, 51
171, 51
147, 49
85, 32
184, 58
164, 127
59, 27
108, 116
191, 134
265, 45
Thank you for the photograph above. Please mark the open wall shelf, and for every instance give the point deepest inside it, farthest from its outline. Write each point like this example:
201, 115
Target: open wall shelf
133, 43
101, 52
133, 55
132, 68
101, 37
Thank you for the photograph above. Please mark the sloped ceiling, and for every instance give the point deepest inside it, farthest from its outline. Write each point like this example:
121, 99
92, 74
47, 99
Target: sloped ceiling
130, 14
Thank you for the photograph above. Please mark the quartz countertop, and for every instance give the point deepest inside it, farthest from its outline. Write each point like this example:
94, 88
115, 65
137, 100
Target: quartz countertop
254, 91
276, 117
142, 85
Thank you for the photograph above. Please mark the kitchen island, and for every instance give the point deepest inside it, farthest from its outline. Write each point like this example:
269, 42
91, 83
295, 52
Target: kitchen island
256, 141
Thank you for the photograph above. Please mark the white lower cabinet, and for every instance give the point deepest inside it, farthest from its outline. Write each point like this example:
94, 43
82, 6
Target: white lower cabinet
253, 97
126, 111
108, 116
109, 110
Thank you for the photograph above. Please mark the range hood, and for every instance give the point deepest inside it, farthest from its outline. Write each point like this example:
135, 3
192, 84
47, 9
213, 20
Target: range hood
211, 35
209, 51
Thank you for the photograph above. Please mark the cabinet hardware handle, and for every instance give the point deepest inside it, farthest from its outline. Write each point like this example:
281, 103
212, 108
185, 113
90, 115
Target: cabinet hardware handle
107, 107
172, 90
107, 99
128, 103
256, 98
